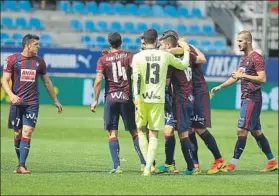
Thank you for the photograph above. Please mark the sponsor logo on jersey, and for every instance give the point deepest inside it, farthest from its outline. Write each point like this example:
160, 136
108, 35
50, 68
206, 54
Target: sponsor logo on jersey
150, 95
28, 75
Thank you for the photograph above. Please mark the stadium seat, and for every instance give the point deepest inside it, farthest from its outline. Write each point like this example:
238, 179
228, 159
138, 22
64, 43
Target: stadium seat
25, 6
138, 41
76, 25
132, 9
127, 41
181, 29
102, 26
158, 10
161, 2
46, 40
106, 8
196, 13
4, 38
78, 7
2, 6
141, 27
119, 8
193, 42
133, 47
116, 26
7, 22
65, 6
206, 45
168, 26
90, 26
195, 29
170, 11
101, 42
22, 23
144, 10
92, 7
17, 37
220, 46
208, 30
11, 5
183, 12
157, 27
35, 23
129, 27
86, 41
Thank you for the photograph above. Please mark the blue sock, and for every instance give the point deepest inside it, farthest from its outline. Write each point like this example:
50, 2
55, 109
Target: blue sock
239, 146
137, 148
24, 150
114, 151
211, 144
169, 149
186, 147
17, 140
193, 139
264, 145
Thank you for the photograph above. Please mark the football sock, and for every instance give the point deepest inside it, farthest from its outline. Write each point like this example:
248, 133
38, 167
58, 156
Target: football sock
239, 146
169, 149
193, 139
187, 152
211, 144
24, 150
143, 144
114, 151
137, 148
151, 152
17, 140
264, 145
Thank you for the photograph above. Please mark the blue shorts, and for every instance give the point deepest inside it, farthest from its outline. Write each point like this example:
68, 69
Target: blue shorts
183, 114
201, 117
249, 118
23, 115
112, 111
169, 117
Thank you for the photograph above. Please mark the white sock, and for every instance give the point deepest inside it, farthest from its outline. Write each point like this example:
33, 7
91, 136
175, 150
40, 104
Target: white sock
143, 144
152, 148
234, 161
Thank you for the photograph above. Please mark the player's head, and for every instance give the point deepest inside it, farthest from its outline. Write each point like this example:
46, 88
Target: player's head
142, 43
167, 42
244, 40
170, 33
150, 36
115, 40
30, 43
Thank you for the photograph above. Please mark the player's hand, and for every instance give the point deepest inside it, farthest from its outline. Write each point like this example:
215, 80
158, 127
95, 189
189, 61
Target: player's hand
93, 106
105, 52
215, 90
237, 75
59, 106
182, 43
15, 99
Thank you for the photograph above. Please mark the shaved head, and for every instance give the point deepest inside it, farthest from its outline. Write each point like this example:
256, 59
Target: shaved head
246, 35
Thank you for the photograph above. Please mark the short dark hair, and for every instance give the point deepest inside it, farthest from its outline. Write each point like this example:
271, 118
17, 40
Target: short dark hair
150, 36
115, 39
27, 38
169, 33
171, 40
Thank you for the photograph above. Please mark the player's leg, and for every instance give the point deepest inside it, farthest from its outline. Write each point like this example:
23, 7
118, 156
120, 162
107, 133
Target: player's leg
111, 120
127, 111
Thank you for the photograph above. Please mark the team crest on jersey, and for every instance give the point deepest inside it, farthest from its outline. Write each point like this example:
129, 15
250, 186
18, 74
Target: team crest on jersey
28, 75
37, 64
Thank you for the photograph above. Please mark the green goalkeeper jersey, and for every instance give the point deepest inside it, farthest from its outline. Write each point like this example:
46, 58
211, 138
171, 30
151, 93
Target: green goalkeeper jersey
150, 72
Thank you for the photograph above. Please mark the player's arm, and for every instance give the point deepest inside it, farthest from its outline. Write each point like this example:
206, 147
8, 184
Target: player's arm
5, 84
97, 85
260, 78
136, 81
225, 84
200, 57
50, 89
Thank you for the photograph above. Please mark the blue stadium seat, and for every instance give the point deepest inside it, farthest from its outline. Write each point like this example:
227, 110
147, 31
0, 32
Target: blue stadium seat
133, 47
168, 26
144, 10
158, 10
220, 46
183, 12
170, 11
101, 42
161, 2
102, 26
132, 9
206, 45
141, 27
90, 26
181, 29
106, 8
195, 29
22, 23
76, 25
4, 38
7, 22
78, 7
46, 40
138, 41
86, 41
157, 27
92, 7
129, 27
116, 26
11, 5
2, 6
119, 9
25, 6
196, 13
17, 37
193, 42
65, 6
35, 23
208, 30
127, 41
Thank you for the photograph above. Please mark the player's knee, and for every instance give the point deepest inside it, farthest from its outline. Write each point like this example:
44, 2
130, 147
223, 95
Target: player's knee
18, 133
200, 131
242, 132
192, 131
183, 135
256, 133
169, 132
112, 134
27, 131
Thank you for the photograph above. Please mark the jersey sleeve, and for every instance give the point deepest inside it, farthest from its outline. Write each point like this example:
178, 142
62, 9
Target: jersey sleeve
43, 70
259, 64
100, 67
176, 62
9, 64
193, 58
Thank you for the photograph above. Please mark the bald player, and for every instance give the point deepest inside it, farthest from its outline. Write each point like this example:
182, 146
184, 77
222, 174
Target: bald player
251, 73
